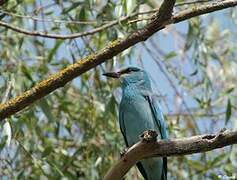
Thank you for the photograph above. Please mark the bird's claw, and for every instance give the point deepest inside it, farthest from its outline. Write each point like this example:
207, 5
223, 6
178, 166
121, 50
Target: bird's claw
123, 152
149, 136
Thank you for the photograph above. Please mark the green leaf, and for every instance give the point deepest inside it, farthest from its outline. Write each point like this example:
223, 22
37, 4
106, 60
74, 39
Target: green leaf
21, 40
118, 11
170, 55
54, 50
194, 73
3, 142
124, 4
196, 165
215, 55
131, 5
46, 109
198, 100
56, 168
47, 151
228, 91
26, 72
82, 14
8, 132
48, 13
217, 160
189, 38
73, 6
228, 112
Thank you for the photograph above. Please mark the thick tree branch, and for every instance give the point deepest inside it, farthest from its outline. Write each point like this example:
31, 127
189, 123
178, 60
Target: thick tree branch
176, 147
64, 76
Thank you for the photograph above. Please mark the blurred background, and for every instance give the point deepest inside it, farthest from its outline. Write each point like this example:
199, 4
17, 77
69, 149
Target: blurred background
73, 133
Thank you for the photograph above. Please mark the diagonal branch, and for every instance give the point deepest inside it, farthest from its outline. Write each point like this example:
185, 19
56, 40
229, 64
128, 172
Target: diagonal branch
59, 79
164, 148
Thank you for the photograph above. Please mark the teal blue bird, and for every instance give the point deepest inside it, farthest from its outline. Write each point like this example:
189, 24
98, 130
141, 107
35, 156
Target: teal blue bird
139, 110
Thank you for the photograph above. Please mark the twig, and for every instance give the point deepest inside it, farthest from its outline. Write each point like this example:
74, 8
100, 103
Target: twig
174, 147
203, 9
91, 22
8, 90
33, 18
75, 35
140, 19
196, 114
62, 77
57, 36
191, 2
81, 34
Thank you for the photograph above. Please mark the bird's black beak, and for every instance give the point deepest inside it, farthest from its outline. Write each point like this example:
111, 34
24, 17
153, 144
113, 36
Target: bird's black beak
112, 74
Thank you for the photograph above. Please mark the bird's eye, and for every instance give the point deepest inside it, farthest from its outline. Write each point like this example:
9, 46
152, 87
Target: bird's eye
129, 70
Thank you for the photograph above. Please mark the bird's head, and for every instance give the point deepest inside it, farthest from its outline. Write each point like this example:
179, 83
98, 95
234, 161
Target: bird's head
131, 76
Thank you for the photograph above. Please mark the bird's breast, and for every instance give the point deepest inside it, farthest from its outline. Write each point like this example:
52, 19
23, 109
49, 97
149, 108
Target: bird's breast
137, 117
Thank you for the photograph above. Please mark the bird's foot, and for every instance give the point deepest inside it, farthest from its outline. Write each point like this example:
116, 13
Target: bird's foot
149, 136
123, 152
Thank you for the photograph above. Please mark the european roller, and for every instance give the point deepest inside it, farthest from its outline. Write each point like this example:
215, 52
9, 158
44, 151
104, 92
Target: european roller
139, 110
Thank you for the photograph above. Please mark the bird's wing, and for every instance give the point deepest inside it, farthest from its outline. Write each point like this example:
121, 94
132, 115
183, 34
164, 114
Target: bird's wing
142, 170
123, 130
157, 114
160, 122
122, 126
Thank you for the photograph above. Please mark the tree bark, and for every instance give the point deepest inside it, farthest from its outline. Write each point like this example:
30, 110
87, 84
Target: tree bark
172, 147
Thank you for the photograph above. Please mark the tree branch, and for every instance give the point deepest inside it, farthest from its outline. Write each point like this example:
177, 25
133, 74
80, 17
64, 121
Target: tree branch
59, 79
176, 147
91, 22
200, 10
74, 35
191, 2
82, 34
165, 10
60, 36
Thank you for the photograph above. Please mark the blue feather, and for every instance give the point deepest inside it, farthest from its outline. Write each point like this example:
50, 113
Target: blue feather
139, 111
